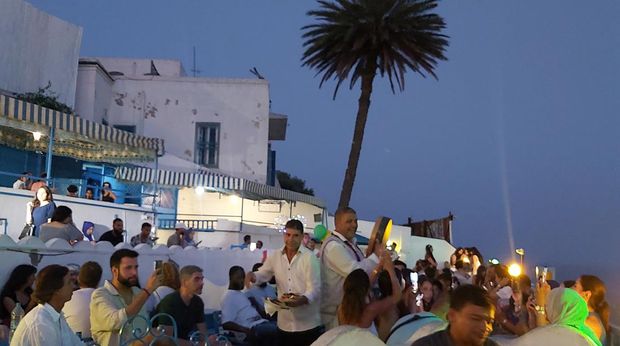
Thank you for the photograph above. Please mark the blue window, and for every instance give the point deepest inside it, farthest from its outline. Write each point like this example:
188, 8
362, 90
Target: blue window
207, 147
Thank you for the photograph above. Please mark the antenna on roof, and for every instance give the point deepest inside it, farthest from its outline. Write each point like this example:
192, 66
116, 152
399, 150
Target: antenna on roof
154, 71
255, 72
194, 69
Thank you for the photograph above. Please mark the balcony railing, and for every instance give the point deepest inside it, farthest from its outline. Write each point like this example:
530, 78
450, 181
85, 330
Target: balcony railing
197, 225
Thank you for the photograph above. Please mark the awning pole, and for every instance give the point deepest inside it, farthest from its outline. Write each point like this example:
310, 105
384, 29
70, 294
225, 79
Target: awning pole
241, 223
156, 191
48, 159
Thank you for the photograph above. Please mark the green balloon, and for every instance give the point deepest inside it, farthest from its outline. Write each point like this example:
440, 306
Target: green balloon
320, 232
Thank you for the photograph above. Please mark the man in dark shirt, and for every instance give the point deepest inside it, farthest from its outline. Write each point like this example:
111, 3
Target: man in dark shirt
115, 235
470, 320
185, 306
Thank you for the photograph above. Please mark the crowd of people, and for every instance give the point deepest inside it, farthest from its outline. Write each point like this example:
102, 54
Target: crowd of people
27, 181
298, 296
46, 220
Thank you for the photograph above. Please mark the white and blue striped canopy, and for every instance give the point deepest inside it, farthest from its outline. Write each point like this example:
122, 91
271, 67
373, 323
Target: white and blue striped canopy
212, 180
28, 116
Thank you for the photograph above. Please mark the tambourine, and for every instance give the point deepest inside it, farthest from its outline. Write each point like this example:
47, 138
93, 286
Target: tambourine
380, 232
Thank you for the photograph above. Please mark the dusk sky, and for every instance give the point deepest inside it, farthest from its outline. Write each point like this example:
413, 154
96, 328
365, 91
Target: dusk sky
520, 132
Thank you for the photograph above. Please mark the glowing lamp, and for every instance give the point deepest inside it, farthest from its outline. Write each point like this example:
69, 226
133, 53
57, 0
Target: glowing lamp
199, 190
494, 261
514, 270
36, 135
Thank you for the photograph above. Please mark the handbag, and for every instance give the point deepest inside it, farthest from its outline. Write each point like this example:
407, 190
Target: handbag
26, 231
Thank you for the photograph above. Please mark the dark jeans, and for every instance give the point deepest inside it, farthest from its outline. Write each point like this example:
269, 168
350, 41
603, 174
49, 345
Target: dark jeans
304, 338
264, 334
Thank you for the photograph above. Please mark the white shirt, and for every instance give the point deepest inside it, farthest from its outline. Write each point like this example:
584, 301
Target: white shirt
236, 307
301, 276
18, 184
77, 311
44, 326
337, 262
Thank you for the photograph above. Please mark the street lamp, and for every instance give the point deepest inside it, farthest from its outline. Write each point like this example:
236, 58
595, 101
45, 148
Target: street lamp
520, 252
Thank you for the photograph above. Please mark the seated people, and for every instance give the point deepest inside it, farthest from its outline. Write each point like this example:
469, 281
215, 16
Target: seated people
239, 315
45, 324
144, 237
17, 290
185, 306
170, 283
120, 299
77, 310
115, 235
178, 237
61, 226
470, 320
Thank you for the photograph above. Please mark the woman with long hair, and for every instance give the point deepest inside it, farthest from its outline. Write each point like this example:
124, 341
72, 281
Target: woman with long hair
457, 255
17, 289
593, 291
40, 209
425, 287
429, 256
357, 308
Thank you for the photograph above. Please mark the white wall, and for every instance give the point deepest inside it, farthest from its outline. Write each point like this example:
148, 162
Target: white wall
215, 263
154, 103
13, 208
37, 48
258, 218
94, 94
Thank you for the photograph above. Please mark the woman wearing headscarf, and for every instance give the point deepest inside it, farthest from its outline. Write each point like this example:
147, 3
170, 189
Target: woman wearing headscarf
566, 312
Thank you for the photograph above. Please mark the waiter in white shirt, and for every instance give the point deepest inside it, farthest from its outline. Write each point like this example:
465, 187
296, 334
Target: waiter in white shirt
298, 281
340, 255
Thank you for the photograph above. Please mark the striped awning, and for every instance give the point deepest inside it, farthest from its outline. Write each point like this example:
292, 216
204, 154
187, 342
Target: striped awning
278, 193
77, 137
212, 180
179, 179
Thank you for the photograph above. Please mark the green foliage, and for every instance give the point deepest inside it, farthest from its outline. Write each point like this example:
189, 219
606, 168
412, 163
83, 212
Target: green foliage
45, 97
352, 38
293, 183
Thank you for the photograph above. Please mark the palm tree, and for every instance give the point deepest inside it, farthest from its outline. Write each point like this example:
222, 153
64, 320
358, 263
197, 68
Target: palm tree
359, 38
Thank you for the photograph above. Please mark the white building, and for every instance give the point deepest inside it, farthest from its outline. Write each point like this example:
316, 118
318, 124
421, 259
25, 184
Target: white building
220, 124
37, 49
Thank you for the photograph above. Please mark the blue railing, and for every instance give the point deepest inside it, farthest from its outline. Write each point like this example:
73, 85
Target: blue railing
197, 225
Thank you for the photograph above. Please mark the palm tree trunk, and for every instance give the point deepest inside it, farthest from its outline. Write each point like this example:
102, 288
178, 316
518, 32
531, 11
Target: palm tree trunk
363, 104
